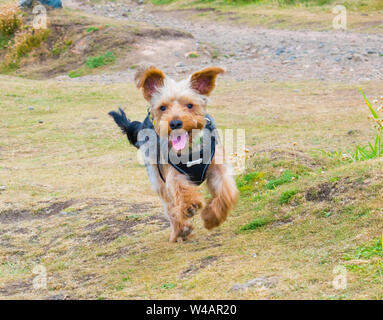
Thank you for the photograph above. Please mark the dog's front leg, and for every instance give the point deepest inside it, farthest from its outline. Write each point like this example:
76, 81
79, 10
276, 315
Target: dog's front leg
186, 200
224, 193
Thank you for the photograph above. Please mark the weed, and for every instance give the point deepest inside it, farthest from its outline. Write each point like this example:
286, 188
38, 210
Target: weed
10, 19
24, 42
369, 151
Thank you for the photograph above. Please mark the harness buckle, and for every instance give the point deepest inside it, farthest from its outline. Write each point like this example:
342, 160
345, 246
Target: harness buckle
194, 162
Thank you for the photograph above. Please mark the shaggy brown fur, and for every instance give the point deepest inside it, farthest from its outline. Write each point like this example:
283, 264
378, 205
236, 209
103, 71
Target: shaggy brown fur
186, 101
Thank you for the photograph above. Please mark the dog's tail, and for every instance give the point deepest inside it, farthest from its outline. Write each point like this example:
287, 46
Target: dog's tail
128, 127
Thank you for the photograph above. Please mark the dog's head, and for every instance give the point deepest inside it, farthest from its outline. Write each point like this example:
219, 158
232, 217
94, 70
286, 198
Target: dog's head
177, 107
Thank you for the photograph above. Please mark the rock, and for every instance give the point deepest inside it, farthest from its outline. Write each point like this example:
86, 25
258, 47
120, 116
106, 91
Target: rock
179, 65
263, 282
3, 188
41, 121
357, 57
31, 108
80, 46
279, 51
352, 132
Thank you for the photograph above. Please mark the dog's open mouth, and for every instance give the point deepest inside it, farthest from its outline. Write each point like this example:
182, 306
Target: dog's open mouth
179, 139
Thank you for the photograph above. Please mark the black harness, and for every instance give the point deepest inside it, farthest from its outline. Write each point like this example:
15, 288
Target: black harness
195, 167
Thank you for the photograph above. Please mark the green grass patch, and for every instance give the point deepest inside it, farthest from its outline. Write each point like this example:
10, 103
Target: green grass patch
372, 257
286, 177
194, 55
161, 2
76, 73
4, 40
99, 61
168, 286
287, 195
91, 29
250, 183
255, 224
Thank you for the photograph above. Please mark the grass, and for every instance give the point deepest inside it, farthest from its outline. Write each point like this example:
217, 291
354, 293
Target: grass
286, 177
99, 61
287, 195
115, 244
255, 224
284, 14
371, 150
367, 261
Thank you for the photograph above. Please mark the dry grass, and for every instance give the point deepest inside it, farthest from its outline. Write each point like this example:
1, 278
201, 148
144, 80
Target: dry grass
78, 203
362, 16
10, 18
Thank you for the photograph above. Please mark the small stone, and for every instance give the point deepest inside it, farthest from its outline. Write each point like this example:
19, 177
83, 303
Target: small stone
352, 132
31, 108
279, 51
179, 65
357, 57
41, 121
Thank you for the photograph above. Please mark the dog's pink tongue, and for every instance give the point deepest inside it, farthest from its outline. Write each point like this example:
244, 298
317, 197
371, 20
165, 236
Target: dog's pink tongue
179, 141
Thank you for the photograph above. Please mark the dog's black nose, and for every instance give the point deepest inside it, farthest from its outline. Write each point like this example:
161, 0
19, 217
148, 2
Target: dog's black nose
175, 124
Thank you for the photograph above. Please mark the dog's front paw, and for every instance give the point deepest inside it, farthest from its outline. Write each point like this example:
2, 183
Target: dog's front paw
193, 209
182, 234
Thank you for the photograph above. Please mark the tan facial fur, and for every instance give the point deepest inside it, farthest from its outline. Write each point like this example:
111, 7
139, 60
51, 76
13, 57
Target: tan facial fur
175, 96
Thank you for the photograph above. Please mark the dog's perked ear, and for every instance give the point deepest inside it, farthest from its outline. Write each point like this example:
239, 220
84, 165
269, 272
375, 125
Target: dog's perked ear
204, 81
149, 79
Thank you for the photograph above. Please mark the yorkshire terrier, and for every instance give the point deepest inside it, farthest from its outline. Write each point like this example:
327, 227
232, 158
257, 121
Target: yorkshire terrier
182, 147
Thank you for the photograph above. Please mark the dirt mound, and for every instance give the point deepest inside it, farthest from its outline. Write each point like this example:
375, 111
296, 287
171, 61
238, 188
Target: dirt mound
73, 39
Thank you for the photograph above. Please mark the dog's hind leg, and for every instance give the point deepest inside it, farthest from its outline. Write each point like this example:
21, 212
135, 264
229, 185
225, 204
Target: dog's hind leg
224, 193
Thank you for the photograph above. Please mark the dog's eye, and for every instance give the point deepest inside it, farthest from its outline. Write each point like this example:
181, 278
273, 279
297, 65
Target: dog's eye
190, 105
163, 108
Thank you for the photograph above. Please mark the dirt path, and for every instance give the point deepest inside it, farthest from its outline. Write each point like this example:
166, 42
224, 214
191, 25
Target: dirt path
248, 53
